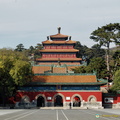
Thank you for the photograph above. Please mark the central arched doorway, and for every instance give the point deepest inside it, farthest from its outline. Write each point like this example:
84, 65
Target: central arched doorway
58, 101
76, 101
40, 101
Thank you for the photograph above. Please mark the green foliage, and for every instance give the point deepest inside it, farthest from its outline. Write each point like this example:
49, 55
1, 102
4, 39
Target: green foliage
116, 57
82, 49
15, 70
33, 52
20, 72
97, 51
39, 47
81, 69
106, 35
116, 86
96, 64
114, 61
88, 53
20, 47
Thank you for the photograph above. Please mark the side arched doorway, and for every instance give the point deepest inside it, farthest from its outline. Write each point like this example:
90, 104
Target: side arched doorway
25, 101
76, 101
58, 101
40, 101
92, 99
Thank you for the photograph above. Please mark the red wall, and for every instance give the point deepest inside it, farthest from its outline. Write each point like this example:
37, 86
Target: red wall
118, 98
58, 47
84, 95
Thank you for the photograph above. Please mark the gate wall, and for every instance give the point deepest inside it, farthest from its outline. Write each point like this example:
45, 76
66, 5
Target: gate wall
67, 97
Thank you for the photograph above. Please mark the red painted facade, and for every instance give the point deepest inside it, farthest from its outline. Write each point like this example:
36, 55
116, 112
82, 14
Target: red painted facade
58, 55
84, 95
58, 47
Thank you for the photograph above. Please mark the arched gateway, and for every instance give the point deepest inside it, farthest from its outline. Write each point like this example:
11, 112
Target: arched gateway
76, 101
58, 101
40, 101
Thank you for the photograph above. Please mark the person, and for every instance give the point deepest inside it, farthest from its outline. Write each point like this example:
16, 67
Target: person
70, 105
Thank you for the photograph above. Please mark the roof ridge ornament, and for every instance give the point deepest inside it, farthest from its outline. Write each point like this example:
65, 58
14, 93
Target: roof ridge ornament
69, 37
47, 37
59, 28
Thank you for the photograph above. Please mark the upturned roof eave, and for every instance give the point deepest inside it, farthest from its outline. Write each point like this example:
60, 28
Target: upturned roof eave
59, 36
58, 42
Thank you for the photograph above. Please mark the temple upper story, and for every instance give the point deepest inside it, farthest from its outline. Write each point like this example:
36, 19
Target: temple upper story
58, 47
59, 41
59, 36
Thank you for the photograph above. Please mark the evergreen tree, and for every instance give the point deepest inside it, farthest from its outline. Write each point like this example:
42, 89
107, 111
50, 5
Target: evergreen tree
106, 35
20, 48
116, 86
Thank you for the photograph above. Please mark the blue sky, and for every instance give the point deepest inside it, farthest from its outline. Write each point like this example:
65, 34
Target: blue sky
30, 21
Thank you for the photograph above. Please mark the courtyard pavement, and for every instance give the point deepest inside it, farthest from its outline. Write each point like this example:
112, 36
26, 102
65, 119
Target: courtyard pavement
59, 114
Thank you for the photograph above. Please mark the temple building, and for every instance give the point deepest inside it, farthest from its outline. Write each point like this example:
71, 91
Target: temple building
55, 84
57, 49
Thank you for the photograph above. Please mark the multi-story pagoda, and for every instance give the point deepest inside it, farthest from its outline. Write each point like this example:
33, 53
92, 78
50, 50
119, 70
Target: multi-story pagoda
54, 84
59, 48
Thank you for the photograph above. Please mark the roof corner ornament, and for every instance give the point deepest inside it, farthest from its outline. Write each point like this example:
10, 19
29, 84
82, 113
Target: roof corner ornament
47, 37
59, 28
59, 62
69, 37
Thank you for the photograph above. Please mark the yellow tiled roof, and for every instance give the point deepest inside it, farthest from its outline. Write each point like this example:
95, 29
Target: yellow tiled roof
40, 69
58, 36
58, 42
47, 41
65, 79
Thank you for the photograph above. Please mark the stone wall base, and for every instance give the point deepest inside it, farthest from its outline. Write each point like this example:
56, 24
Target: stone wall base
66, 105
112, 105
96, 105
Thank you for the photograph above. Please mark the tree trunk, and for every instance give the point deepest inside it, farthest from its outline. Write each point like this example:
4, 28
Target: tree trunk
107, 57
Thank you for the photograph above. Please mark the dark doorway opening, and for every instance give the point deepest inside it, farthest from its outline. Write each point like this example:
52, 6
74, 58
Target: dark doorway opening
40, 102
58, 101
76, 101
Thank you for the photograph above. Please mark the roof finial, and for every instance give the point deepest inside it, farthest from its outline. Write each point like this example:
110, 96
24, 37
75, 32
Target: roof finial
47, 37
59, 28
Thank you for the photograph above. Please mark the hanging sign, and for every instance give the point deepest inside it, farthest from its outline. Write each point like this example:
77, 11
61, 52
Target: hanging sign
67, 98
108, 100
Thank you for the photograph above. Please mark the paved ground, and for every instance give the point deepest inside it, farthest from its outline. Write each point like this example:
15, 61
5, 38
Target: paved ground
41, 114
